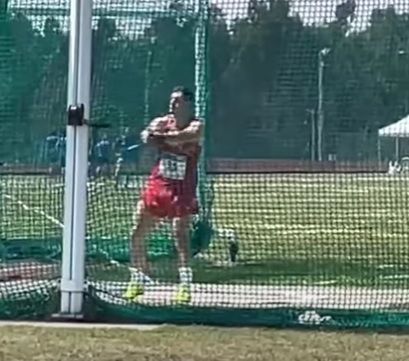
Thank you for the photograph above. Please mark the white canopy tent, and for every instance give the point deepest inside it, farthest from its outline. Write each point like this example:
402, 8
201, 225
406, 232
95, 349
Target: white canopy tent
398, 130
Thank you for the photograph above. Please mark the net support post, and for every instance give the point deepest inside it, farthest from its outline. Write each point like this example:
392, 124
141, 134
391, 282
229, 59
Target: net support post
201, 10
75, 198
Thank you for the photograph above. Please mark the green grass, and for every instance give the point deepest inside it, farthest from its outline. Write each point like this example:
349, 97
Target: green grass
292, 229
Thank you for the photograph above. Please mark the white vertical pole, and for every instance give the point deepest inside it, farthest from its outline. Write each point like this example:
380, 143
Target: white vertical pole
313, 136
201, 9
148, 80
320, 124
320, 101
79, 85
201, 12
397, 150
311, 115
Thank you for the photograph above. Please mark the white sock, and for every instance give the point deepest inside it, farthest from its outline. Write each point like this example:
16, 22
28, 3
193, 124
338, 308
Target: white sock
139, 277
185, 276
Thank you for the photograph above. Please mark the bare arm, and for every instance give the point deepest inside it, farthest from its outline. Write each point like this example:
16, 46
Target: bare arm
156, 126
190, 134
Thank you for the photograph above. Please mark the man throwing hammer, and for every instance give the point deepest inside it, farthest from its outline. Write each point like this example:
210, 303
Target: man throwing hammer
170, 192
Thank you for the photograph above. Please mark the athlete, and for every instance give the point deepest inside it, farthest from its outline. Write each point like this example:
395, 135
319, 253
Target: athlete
170, 192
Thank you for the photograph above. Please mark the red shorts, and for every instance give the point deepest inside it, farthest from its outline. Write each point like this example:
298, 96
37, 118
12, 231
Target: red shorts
167, 202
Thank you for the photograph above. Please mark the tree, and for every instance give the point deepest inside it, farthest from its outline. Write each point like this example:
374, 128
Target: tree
22, 70
220, 53
33, 75
263, 57
48, 108
3, 7
366, 80
263, 69
345, 12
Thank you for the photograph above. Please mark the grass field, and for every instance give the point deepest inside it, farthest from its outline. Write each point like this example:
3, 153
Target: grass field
316, 229
197, 344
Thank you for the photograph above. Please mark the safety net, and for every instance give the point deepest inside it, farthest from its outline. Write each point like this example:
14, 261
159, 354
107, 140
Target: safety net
302, 179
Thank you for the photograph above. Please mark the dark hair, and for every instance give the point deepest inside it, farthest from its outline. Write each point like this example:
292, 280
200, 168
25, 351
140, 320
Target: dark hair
186, 92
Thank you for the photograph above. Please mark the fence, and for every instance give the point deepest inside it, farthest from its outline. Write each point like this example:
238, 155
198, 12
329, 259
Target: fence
283, 236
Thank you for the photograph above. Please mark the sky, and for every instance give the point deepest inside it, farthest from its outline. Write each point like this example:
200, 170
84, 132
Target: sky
310, 11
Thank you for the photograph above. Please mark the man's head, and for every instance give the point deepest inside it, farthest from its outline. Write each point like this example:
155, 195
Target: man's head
181, 101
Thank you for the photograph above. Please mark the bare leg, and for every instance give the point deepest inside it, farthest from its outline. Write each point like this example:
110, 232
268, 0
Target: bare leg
117, 172
143, 225
181, 227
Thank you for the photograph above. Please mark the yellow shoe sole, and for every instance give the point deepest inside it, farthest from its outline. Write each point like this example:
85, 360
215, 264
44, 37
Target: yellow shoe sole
133, 292
184, 296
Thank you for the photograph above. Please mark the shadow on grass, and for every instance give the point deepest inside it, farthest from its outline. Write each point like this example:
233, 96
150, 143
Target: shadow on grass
286, 271
335, 271
272, 272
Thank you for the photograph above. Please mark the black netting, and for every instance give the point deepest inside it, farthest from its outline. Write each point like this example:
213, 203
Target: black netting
302, 180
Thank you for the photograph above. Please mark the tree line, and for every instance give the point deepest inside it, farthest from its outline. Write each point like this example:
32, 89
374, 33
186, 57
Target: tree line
262, 79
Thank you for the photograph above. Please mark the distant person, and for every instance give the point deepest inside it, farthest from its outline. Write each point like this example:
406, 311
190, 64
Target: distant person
61, 148
103, 151
51, 152
124, 149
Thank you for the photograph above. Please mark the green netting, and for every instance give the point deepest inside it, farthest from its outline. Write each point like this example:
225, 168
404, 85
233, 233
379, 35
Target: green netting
302, 219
